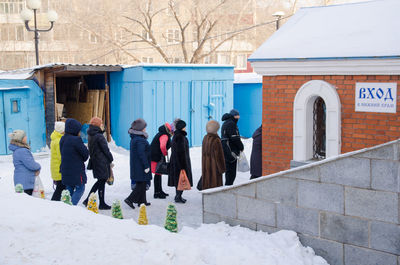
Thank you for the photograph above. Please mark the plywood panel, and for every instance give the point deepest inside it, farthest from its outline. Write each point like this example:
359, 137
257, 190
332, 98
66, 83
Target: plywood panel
79, 111
101, 104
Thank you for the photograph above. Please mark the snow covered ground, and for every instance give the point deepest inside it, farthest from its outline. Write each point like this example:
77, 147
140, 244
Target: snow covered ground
35, 231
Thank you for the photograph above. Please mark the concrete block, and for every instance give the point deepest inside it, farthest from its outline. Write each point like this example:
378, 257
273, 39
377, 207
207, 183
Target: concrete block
347, 171
210, 218
385, 237
388, 152
279, 189
377, 205
221, 203
257, 211
298, 219
385, 175
247, 190
268, 229
356, 256
344, 229
308, 174
236, 222
331, 251
328, 197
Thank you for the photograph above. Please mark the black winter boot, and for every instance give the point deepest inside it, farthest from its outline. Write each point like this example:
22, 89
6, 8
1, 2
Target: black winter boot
159, 195
103, 205
85, 202
130, 204
178, 197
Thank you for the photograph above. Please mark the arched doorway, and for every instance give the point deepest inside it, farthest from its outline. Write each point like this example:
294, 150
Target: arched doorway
316, 122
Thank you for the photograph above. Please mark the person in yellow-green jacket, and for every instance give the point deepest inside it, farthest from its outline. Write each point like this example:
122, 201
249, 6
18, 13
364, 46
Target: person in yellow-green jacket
55, 159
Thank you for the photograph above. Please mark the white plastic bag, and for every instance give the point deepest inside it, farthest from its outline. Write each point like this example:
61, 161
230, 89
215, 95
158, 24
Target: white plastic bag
38, 189
243, 164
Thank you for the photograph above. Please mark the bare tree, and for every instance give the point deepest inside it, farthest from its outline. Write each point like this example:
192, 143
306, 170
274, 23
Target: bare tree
202, 20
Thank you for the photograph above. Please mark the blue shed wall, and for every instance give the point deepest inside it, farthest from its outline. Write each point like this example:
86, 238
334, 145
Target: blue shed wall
163, 93
30, 116
248, 101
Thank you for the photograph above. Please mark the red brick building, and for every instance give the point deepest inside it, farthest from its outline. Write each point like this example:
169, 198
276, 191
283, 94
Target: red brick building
330, 78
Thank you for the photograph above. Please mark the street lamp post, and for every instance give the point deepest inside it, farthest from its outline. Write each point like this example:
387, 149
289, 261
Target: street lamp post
27, 14
278, 15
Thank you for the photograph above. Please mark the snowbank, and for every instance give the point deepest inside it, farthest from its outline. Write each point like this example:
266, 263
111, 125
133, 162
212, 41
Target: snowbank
35, 231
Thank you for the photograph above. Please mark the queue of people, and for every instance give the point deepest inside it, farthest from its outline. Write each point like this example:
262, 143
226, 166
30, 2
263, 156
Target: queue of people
69, 154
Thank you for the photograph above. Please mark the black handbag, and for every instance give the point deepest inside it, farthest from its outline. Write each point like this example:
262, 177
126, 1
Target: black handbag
162, 167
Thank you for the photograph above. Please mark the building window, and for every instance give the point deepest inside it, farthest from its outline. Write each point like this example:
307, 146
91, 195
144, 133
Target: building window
147, 60
224, 59
92, 38
20, 33
146, 35
15, 105
207, 60
11, 6
319, 129
241, 61
178, 60
173, 36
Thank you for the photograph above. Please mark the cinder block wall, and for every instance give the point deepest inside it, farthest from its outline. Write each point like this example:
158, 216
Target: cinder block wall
346, 208
359, 129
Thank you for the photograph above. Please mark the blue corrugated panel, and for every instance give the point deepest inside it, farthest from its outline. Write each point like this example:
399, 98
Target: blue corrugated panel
22, 107
248, 101
160, 94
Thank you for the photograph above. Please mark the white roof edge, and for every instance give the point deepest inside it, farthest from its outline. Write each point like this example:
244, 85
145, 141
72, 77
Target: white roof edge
328, 67
178, 65
16, 87
247, 78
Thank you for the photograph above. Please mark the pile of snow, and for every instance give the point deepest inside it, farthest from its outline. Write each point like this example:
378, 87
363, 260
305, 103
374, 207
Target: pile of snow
36, 231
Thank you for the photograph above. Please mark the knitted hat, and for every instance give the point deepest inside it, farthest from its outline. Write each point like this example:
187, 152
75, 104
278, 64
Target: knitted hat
96, 121
212, 127
59, 127
234, 112
180, 125
17, 135
168, 127
139, 125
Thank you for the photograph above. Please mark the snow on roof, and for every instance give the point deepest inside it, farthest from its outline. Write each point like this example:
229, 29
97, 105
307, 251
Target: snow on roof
247, 78
176, 65
351, 31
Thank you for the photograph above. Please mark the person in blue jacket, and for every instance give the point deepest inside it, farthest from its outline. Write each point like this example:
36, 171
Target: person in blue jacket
140, 161
25, 167
73, 156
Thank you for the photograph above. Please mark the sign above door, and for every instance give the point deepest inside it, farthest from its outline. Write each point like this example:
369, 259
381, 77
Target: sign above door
376, 97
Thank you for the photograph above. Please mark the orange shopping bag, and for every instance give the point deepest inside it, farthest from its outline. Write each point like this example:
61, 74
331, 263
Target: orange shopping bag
183, 183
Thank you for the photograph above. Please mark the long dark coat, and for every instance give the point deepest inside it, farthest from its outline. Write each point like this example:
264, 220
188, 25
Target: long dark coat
156, 153
212, 161
73, 155
256, 154
140, 157
100, 155
180, 159
231, 142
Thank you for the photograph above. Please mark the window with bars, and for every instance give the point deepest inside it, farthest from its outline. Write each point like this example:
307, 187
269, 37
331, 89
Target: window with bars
319, 129
11, 6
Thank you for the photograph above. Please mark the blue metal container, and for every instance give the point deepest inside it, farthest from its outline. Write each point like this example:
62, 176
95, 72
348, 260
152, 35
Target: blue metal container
161, 93
22, 107
248, 101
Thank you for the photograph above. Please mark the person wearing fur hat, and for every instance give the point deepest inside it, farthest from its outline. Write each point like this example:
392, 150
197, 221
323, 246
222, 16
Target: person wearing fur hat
231, 144
25, 167
212, 158
55, 159
159, 149
73, 156
180, 159
100, 160
140, 161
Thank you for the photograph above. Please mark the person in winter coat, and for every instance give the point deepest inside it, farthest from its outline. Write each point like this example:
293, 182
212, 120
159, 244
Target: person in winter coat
73, 156
180, 159
100, 160
256, 154
231, 144
25, 167
159, 149
140, 160
55, 159
212, 158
